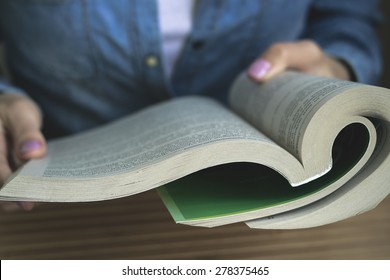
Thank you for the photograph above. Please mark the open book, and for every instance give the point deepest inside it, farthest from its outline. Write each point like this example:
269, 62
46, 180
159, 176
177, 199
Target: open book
298, 151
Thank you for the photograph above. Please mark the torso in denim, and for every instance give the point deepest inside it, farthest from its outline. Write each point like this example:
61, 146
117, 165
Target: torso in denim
90, 62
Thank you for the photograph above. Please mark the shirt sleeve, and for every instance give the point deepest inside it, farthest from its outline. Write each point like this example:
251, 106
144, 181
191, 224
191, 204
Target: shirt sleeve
346, 30
5, 86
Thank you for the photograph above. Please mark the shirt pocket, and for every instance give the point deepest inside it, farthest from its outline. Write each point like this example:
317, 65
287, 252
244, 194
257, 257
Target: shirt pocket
50, 37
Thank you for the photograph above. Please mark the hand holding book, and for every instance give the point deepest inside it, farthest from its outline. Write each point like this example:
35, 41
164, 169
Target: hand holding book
289, 124
304, 56
20, 138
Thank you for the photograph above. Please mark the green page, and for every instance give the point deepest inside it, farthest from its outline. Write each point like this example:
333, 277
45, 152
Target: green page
240, 187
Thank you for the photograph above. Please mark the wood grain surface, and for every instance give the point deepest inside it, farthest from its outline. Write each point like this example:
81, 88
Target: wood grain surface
140, 227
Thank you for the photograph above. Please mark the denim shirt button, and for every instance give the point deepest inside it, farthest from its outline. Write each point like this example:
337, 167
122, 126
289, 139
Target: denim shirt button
197, 45
151, 61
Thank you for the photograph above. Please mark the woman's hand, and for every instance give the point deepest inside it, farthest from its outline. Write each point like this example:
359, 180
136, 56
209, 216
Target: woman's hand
20, 137
305, 56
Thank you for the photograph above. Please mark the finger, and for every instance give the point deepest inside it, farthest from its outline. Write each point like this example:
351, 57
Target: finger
5, 169
26, 205
5, 172
9, 206
23, 124
305, 56
13, 206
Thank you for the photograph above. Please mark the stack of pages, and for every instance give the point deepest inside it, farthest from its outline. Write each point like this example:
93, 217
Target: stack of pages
298, 151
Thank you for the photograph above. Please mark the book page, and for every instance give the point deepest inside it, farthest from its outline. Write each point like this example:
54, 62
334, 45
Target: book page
142, 139
212, 194
282, 107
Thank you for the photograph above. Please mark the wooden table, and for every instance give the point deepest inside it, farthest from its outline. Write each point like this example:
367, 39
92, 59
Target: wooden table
140, 227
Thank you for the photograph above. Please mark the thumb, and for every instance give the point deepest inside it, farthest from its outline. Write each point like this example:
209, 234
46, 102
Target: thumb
31, 148
28, 140
24, 123
302, 55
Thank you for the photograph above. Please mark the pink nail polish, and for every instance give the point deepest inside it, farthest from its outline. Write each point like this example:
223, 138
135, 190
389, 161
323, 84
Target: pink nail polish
259, 69
30, 145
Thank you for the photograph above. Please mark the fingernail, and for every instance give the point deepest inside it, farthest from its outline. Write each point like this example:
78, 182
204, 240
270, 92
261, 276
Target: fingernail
30, 146
259, 69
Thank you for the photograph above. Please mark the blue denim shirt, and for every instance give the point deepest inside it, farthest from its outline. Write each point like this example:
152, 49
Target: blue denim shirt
89, 62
